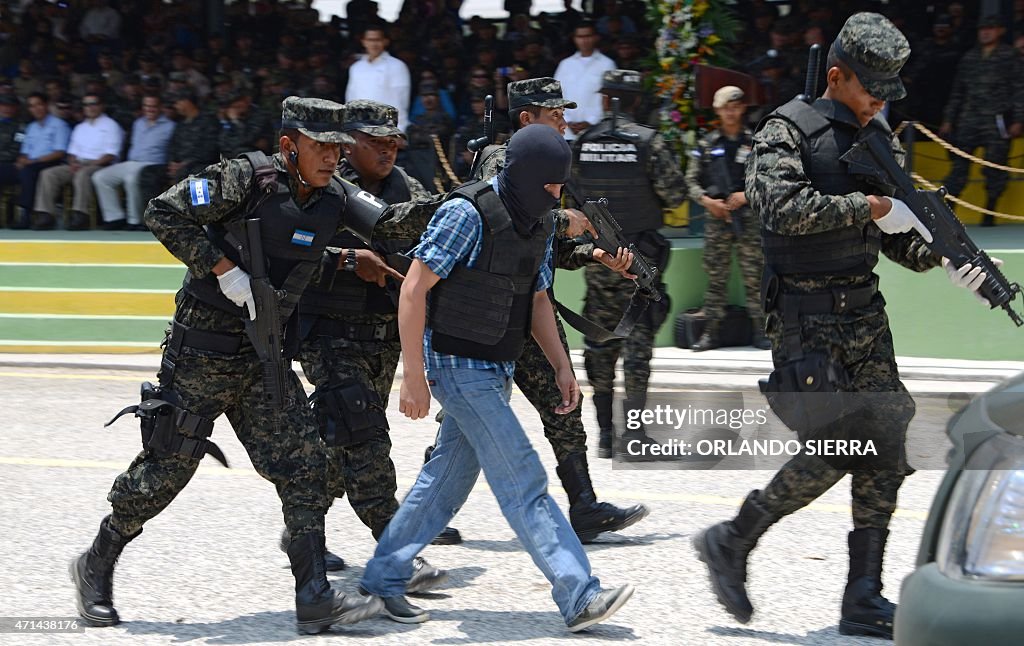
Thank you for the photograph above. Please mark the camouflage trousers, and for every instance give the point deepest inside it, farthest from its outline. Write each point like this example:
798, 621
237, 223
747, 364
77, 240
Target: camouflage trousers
719, 241
363, 470
283, 444
608, 296
862, 343
970, 136
536, 379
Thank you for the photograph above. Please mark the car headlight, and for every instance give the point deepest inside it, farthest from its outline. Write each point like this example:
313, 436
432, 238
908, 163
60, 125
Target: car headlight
983, 530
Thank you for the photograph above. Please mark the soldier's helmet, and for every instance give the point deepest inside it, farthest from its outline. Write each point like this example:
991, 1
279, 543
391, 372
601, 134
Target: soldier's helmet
372, 117
622, 81
544, 92
875, 50
318, 119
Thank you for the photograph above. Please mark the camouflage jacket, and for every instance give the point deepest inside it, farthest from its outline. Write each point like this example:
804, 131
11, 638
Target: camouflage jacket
782, 196
987, 86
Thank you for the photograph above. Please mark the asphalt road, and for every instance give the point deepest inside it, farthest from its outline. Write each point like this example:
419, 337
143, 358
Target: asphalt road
208, 570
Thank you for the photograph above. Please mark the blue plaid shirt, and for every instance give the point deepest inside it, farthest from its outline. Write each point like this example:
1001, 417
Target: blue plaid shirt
455, 235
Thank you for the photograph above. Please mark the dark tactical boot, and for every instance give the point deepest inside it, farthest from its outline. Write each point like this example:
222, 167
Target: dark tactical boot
332, 562
758, 339
603, 406
724, 548
865, 610
707, 341
317, 606
587, 516
93, 576
634, 438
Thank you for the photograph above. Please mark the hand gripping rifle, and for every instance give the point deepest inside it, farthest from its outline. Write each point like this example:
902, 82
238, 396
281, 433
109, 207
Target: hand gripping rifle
265, 331
872, 157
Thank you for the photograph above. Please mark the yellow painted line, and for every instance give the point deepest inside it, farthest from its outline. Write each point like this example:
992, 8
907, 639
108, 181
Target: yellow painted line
76, 347
74, 251
76, 302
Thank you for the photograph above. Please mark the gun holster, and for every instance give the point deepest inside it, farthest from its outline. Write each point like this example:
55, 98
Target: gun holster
167, 429
658, 311
808, 394
348, 412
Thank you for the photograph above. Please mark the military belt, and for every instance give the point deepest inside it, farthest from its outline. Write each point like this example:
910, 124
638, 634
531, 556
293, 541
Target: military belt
836, 301
184, 336
356, 331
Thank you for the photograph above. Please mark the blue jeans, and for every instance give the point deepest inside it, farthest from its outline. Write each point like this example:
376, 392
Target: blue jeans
480, 430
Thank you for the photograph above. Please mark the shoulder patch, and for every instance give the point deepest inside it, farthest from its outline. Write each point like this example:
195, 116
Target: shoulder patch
199, 190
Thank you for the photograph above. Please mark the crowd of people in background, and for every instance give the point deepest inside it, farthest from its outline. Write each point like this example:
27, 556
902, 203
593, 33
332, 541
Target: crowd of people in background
101, 98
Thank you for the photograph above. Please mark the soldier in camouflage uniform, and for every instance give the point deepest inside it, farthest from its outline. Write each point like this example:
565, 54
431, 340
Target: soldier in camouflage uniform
194, 142
985, 109
540, 101
823, 229
210, 368
12, 133
244, 126
632, 166
349, 327
715, 180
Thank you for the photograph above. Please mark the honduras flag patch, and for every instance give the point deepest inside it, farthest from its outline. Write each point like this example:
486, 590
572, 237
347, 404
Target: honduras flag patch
303, 238
199, 189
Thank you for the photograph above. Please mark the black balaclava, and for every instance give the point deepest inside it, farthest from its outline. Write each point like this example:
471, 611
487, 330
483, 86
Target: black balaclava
536, 155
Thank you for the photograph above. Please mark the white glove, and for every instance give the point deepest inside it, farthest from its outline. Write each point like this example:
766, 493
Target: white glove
901, 219
234, 284
969, 277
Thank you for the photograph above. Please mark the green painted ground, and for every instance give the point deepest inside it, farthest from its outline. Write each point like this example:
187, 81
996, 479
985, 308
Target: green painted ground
92, 277
59, 329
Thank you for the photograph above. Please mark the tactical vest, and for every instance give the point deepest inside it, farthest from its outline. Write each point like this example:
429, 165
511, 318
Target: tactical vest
345, 293
484, 312
615, 167
293, 241
719, 170
828, 129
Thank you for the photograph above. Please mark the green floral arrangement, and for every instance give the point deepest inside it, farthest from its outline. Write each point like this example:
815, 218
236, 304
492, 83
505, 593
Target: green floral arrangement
690, 33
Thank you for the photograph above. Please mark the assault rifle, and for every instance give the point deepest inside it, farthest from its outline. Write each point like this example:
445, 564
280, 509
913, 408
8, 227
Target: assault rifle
477, 146
721, 182
872, 157
265, 331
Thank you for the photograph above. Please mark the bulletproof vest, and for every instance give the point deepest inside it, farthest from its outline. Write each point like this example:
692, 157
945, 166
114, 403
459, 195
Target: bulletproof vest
615, 167
828, 130
722, 165
293, 242
484, 312
343, 292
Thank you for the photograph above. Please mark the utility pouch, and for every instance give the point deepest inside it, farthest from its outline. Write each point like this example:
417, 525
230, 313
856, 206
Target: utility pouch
809, 394
348, 413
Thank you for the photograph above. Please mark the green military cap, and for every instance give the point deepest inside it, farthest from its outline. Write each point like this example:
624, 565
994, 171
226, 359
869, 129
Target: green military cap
544, 92
875, 50
622, 80
374, 118
318, 119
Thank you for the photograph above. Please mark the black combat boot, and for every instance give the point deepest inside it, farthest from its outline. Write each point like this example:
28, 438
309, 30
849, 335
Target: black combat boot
587, 516
707, 341
93, 576
332, 562
317, 606
603, 405
758, 339
865, 610
634, 438
724, 548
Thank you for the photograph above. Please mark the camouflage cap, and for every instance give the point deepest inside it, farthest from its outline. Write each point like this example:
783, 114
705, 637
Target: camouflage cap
318, 119
372, 117
544, 92
875, 50
622, 80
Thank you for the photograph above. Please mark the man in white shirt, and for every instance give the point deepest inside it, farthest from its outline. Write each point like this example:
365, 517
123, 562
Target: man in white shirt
580, 76
379, 76
95, 143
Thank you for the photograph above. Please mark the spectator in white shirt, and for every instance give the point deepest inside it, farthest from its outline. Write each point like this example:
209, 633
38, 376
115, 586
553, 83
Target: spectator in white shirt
379, 76
580, 76
95, 143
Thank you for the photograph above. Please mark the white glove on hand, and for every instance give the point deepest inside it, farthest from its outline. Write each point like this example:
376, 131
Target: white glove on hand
234, 284
901, 219
969, 277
